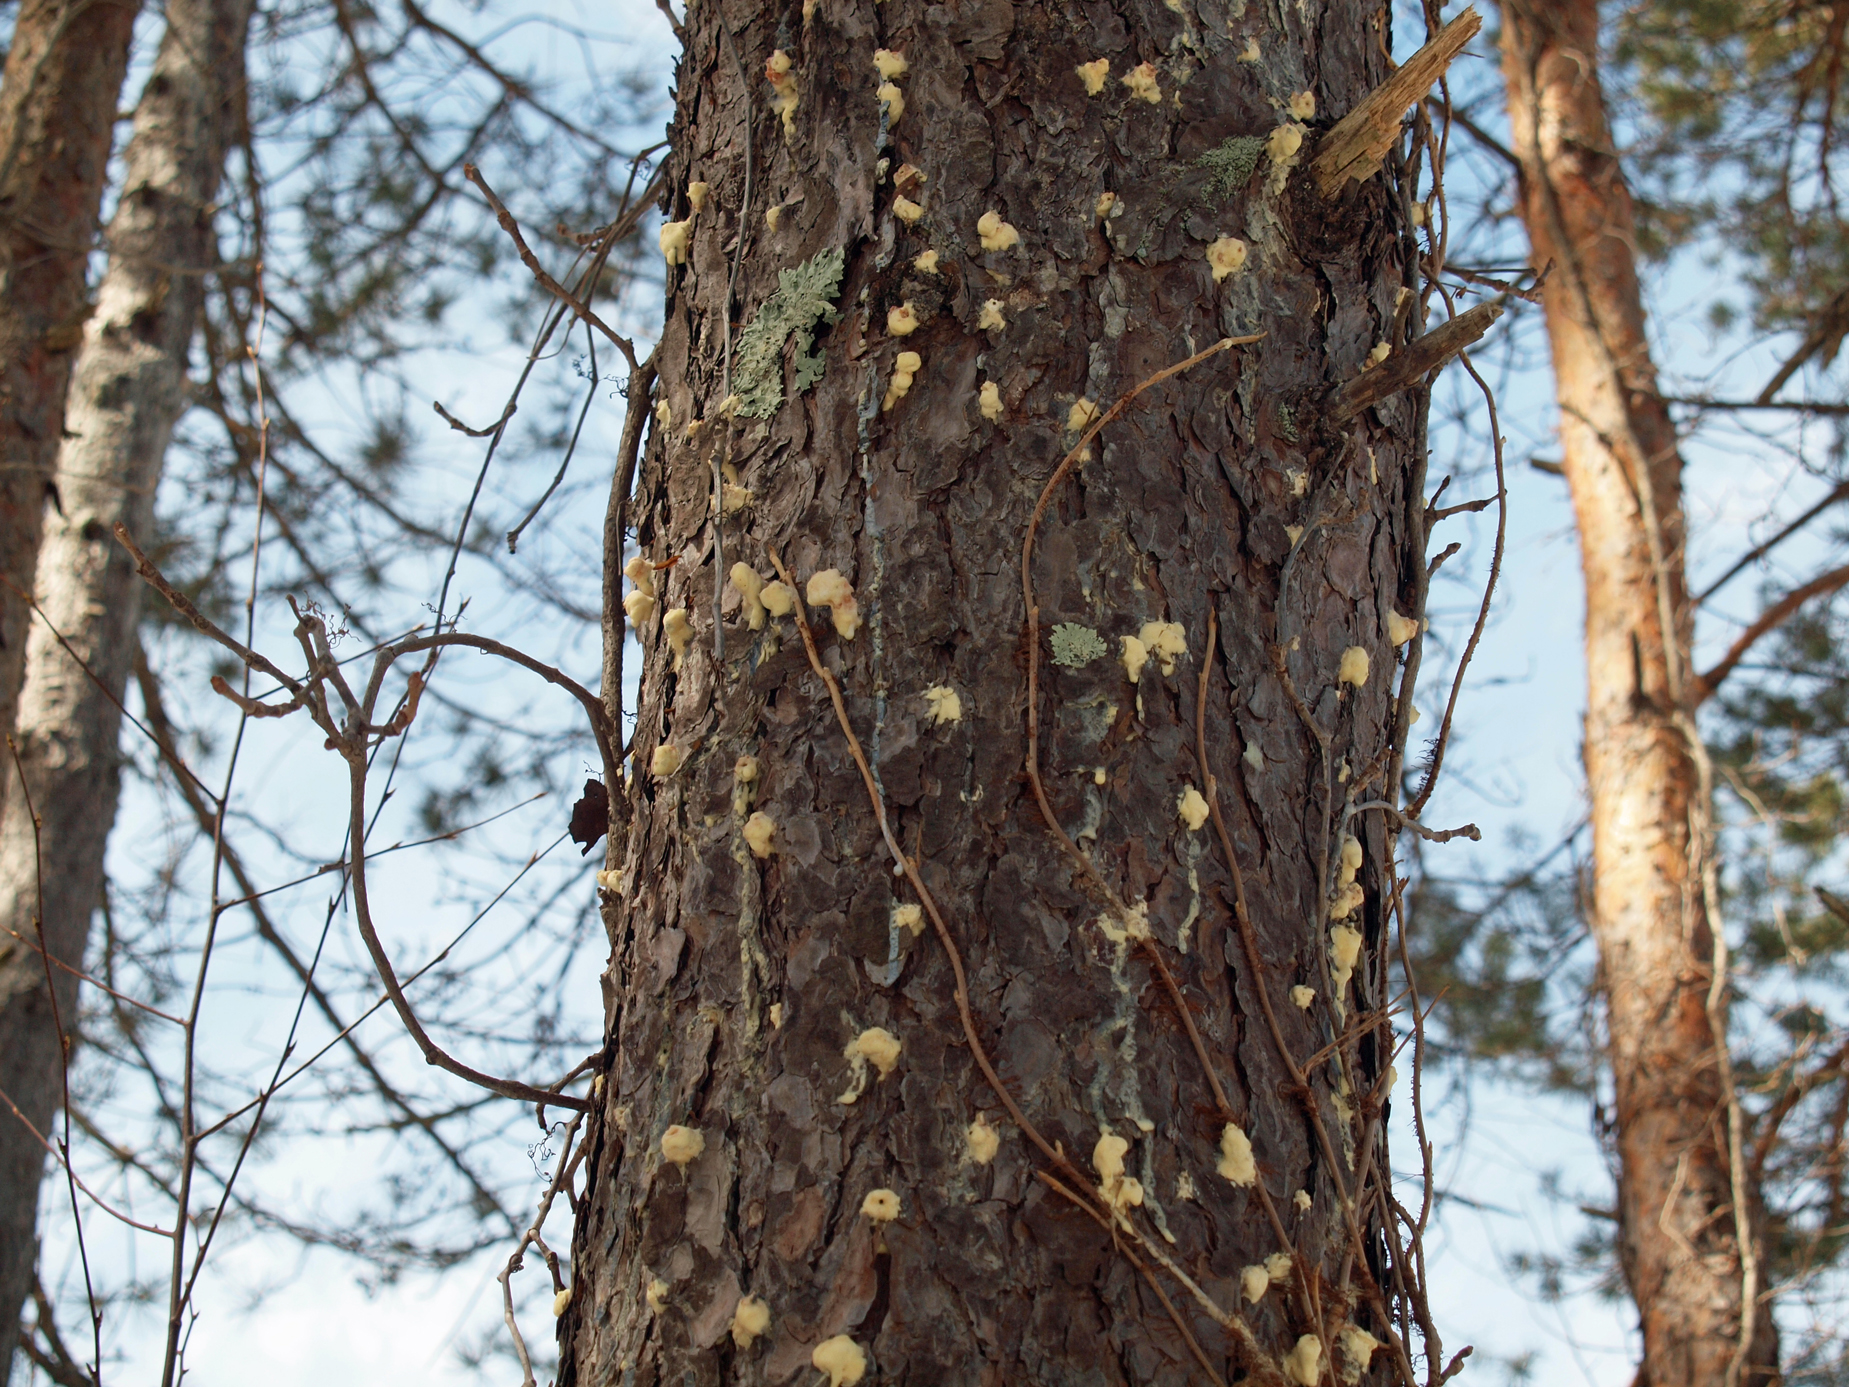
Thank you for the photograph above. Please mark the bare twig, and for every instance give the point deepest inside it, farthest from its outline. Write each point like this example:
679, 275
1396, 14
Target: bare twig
461, 427
545, 280
1418, 801
1769, 620
1837, 493
1431, 835
61, 1154
561, 1178
1826, 407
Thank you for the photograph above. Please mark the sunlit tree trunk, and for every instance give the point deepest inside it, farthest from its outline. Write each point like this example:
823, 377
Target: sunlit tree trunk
126, 393
748, 993
58, 96
1679, 1236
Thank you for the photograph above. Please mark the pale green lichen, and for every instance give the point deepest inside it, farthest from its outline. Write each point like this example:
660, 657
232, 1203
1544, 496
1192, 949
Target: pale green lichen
1230, 163
1075, 646
805, 297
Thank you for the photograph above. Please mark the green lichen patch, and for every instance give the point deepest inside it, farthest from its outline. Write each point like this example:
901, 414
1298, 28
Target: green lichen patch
805, 298
1229, 164
1076, 646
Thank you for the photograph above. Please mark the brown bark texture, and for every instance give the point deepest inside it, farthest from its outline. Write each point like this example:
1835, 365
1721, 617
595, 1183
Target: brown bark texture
127, 391
58, 96
1679, 1242
740, 986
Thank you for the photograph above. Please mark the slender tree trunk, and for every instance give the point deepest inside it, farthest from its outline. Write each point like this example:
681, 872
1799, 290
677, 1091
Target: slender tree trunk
128, 390
757, 960
1680, 1235
58, 96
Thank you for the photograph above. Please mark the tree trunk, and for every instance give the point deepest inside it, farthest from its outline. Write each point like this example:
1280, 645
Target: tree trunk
127, 391
58, 98
1680, 1238
766, 948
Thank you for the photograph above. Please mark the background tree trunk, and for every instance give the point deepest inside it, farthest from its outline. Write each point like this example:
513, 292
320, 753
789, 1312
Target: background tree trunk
736, 984
128, 390
1679, 1240
58, 96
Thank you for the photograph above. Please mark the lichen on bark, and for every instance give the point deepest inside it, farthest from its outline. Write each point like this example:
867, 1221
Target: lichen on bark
803, 303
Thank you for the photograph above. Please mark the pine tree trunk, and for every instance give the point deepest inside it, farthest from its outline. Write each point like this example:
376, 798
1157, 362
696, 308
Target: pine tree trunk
126, 393
58, 96
741, 987
1679, 1238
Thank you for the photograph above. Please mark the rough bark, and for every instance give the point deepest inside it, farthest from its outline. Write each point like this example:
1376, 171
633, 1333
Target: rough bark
1679, 1237
126, 393
736, 983
58, 96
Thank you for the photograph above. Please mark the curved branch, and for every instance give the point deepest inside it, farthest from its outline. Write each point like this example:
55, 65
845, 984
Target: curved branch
1839, 492
546, 281
602, 727
1772, 618
434, 1054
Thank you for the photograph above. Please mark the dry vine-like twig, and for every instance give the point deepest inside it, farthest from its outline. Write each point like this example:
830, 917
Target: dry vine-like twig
354, 735
561, 1179
546, 281
978, 1050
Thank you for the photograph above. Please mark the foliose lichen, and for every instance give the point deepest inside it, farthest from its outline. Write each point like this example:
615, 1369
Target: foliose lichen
1075, 646
805, 298
1230, 163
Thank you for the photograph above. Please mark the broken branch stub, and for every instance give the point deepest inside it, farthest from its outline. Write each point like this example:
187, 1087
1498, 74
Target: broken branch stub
1360, 140
1417, 360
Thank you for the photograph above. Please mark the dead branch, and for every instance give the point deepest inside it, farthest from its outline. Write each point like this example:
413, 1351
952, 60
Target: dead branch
1481, 624
1406, 821
63, 1159
1418, 359
182, 604
1360, 140
1824, 339
461, 427
1154, 1285
1300, 1084
616, 529
1839, 492
905, 865
546, 281
561, 1178
1787, 406
353, 741
1769, 620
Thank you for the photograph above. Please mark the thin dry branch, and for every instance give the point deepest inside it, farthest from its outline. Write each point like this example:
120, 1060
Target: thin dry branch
62, 1157
1443, 739
1770, 620
1154, 1285
1825, 407
461, 427
182, 604
905, 864
979, 1052
1825, 337
545, 280
353, 740
1839, 492
561, 1179
1300, 1083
